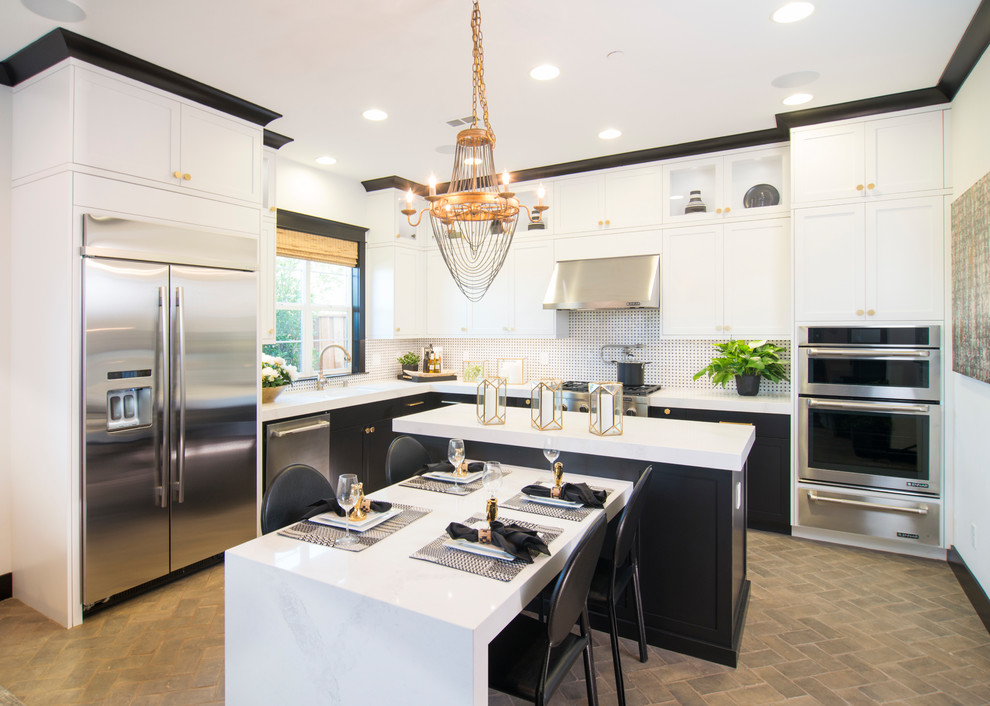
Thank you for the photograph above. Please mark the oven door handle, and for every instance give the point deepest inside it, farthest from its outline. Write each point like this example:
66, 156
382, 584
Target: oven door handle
868, 406
923, 510
865, 353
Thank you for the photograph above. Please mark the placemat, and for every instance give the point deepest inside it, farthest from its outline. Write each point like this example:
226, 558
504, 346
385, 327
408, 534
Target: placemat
497, 569
439, 486
518, 502
327, 536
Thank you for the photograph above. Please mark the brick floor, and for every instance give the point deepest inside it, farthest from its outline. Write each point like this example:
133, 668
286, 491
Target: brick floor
826, 625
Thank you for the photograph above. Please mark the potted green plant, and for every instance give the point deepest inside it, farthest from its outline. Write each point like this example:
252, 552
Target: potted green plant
747, 363
409, 361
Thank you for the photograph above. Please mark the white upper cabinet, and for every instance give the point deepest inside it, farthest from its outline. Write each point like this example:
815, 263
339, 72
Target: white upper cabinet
868, 159
532, 267
746, 185
448, 311
146, 134
396, 291
387, 225
269, 182
878, 261
594, 247
628, 198
727, 280
266, 281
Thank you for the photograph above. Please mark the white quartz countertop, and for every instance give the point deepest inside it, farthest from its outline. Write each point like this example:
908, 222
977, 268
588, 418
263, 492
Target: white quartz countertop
703, 444
295, 404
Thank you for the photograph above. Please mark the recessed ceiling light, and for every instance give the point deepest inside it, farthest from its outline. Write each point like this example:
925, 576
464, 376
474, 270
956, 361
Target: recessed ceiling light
545, 72
792, 12
609, 134
326, 159
797, 99
58, 10
374, 114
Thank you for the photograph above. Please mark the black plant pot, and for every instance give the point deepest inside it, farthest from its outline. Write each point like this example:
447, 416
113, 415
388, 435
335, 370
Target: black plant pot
411, 367
748, 385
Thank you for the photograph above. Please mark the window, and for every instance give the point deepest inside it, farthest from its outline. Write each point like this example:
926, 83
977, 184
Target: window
314, 278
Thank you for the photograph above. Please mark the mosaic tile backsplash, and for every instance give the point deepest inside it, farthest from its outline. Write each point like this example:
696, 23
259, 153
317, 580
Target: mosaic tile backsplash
673, 362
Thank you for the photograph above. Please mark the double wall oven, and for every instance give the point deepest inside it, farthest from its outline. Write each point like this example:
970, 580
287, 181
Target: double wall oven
870, 430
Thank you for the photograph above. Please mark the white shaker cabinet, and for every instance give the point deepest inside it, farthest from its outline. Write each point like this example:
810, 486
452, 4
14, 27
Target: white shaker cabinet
143, 133
627, 198
269, 183
448, 313
878, 261
396, 291
266, 281
727, 280
868, 159
387, 225
533, 265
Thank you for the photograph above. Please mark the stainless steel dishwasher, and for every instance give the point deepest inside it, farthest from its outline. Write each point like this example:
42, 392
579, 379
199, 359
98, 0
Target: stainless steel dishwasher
305, 440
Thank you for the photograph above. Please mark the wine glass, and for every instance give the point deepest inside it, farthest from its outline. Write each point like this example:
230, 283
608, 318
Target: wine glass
455, 454
492, 477
347, 494
550, 450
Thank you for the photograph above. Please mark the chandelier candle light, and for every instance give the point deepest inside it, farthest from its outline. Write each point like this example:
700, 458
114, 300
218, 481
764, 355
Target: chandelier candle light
474, 222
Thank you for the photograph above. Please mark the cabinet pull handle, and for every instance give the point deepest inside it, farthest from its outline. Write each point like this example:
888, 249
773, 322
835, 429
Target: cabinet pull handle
859, 187
463, 328
187, 176
271, 330
859, 312
414, 404
813, 495
727, 328
177, 175
871, 186
870, 312
398, 235
738, 424
397, 328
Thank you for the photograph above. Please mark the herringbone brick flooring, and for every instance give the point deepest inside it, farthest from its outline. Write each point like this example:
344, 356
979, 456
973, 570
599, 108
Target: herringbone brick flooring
826, 625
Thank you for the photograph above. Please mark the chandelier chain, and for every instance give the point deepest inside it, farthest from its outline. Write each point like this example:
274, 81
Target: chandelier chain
478, 73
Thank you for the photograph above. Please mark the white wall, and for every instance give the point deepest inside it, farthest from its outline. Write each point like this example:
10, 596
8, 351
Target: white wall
317, 192
5, 137
970, 161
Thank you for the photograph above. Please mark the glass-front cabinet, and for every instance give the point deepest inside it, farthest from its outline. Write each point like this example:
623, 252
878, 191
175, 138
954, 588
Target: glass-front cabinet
750, 184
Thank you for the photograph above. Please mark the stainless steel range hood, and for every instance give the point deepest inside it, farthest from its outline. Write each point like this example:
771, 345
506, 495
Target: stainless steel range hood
608, 283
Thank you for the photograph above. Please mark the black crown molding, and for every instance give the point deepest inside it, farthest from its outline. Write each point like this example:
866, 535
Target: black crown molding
393, 182
4, 77
290, 220
970, 586
971, 47
276, 141
60, 44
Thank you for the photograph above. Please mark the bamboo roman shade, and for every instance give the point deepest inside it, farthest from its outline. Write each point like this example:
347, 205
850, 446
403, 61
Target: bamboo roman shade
306, 246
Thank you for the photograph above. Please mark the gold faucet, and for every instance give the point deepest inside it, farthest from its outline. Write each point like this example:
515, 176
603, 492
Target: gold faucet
320, 382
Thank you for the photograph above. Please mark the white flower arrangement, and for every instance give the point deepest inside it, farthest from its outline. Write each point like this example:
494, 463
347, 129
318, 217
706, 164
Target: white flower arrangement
275, 372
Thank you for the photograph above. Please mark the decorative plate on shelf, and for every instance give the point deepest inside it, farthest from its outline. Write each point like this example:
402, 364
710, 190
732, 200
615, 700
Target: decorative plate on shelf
761, 195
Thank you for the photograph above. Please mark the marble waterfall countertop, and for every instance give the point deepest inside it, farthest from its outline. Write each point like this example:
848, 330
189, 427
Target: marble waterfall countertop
703, 444
295, 404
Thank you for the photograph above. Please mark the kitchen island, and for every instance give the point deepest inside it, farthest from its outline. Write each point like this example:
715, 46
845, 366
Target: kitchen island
693, 532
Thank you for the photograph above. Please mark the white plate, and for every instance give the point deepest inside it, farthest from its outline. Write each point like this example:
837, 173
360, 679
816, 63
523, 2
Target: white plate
476, 548
556, 502
451, 478
373, 519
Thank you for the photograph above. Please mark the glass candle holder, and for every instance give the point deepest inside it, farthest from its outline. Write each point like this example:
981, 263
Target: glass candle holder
547, 405
491, 401
605, 417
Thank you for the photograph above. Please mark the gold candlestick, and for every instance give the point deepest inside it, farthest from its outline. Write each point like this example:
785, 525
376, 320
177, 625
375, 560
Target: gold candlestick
558, 473
491, 510
358, 513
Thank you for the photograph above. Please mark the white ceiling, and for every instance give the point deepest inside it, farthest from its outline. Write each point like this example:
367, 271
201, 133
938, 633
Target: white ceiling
690, 70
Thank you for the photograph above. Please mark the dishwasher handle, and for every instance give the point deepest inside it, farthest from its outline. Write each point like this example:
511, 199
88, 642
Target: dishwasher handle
299, 430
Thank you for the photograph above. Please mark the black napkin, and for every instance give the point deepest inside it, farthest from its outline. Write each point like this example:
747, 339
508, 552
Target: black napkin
444, 467
516, 540
331, 505
575, 492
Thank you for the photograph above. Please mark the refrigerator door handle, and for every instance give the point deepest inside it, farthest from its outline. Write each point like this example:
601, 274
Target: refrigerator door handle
161, 490
180, 394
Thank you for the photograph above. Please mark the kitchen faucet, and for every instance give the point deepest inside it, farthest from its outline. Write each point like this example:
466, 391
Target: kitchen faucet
320, 382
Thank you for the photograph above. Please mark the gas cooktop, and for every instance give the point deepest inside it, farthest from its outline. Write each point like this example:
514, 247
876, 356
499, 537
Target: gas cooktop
627, 390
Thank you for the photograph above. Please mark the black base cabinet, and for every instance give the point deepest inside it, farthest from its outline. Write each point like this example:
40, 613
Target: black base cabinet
692, 548
768, 481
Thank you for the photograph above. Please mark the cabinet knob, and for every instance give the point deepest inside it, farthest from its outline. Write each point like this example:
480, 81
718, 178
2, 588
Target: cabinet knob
718, 210
187, 177
271, 331
727, 327
728, 208
272, 209
177, 175
871, 186
870, 312
666, 411
608, 222
601, 222
371, 430
859, 312
529, 402
397, 328
463, 328
859, 187
718, 328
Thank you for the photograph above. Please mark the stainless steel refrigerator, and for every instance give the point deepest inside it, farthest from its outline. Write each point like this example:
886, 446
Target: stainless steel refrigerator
169, 381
